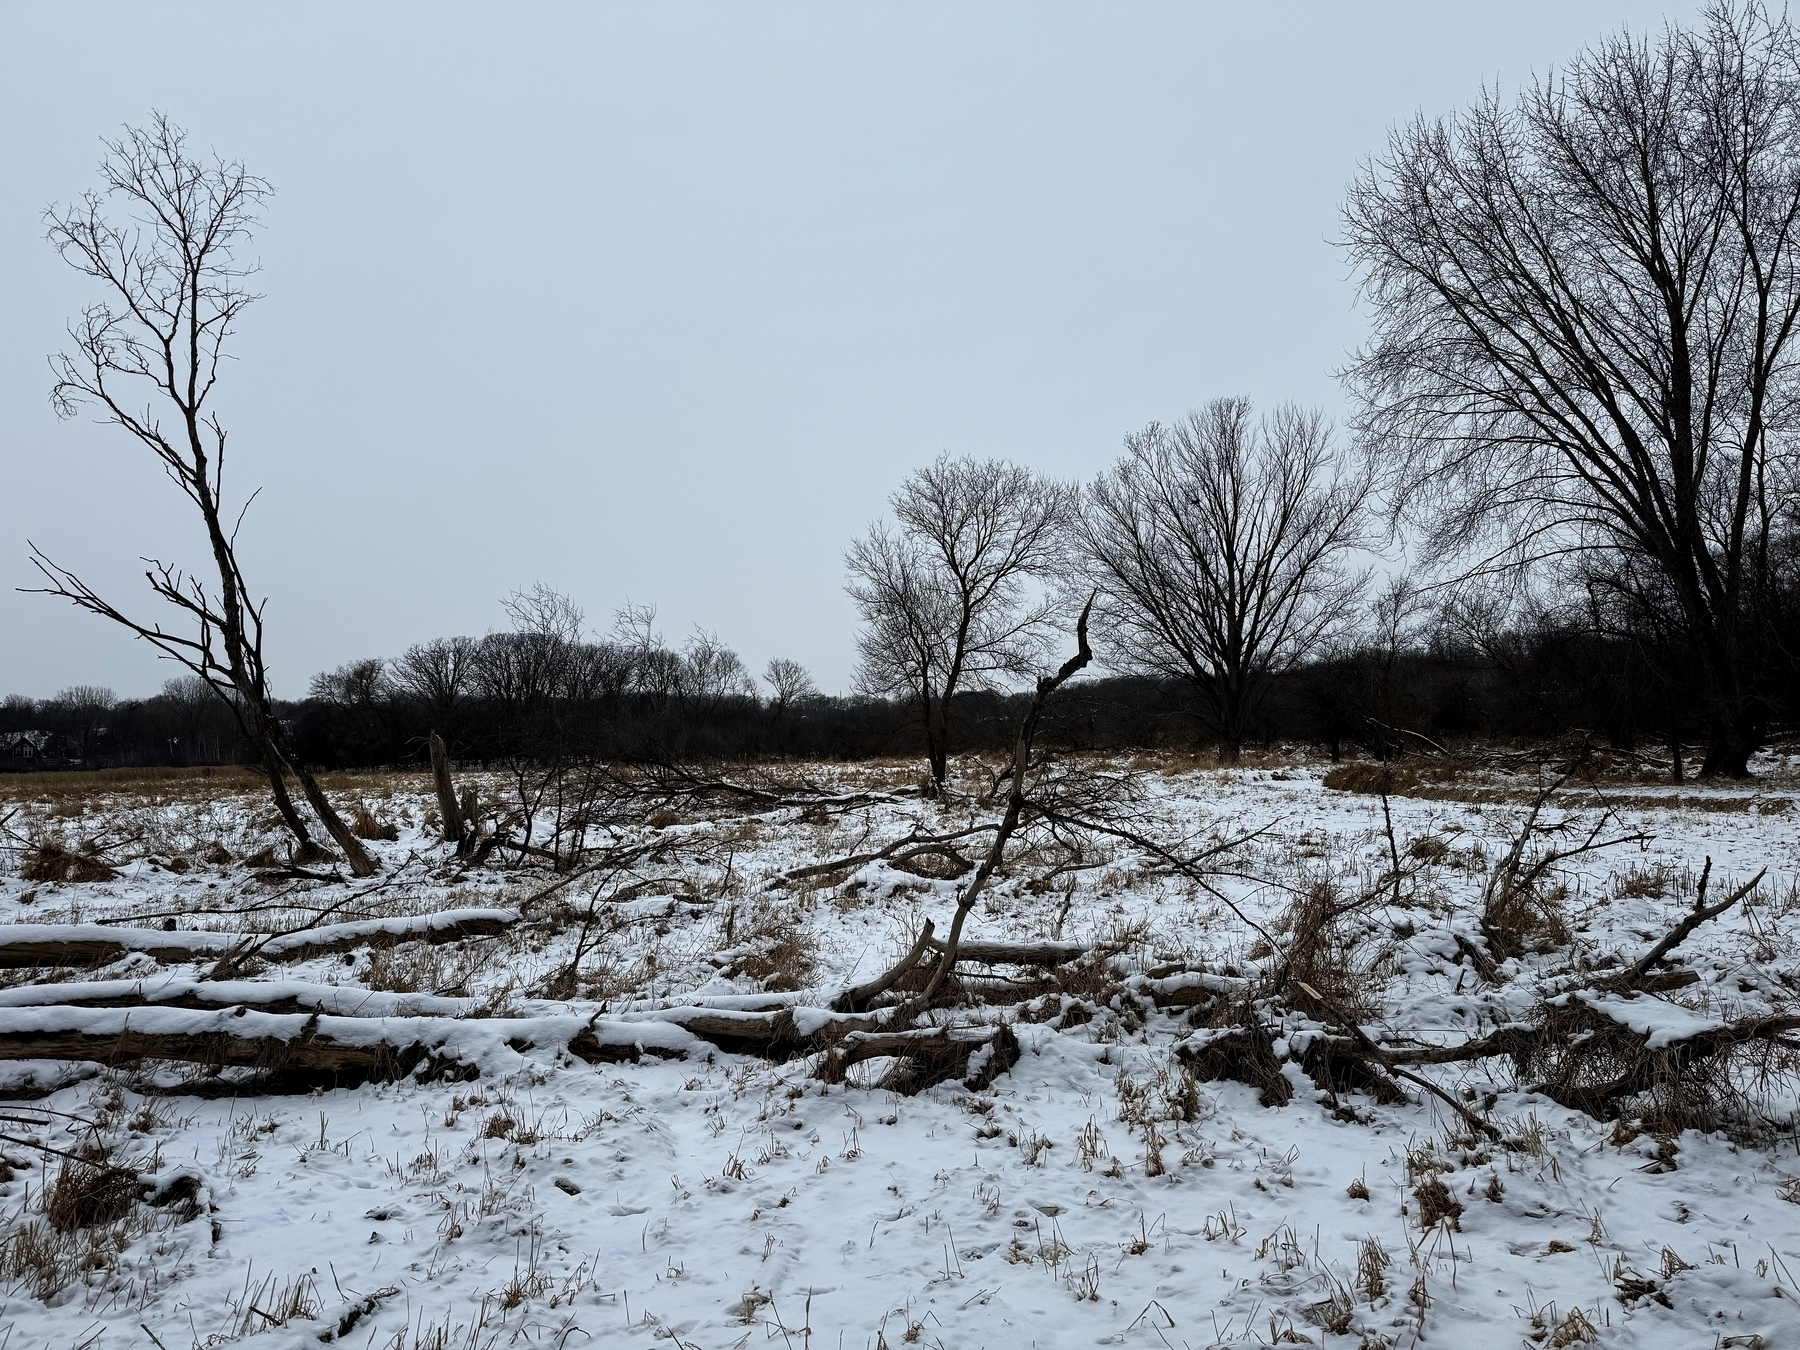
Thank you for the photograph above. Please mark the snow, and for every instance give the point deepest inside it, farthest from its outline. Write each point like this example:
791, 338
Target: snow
710, 1199
1661, 1021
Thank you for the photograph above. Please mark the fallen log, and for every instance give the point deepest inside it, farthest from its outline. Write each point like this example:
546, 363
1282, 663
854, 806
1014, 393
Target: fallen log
1187, 989
1017, 953
318, 1047
856, 998
91, 944
175, 991
927, 1056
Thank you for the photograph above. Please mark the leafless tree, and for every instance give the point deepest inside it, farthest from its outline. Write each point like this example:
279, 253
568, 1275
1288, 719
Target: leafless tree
545, 613
1584, 307
355, 684
437, 674
87, 707
1222, 551
790, 685
190, 698
169, 264
655, 671
945, 596
712, 673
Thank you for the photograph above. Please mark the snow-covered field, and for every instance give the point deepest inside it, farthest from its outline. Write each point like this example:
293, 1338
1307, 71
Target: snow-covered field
1092, 1195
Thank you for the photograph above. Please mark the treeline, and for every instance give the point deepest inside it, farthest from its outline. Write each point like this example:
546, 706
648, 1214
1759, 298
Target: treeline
528, 694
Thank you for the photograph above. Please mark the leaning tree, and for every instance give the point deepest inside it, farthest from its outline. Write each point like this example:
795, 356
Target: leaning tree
165, 241
1584, 305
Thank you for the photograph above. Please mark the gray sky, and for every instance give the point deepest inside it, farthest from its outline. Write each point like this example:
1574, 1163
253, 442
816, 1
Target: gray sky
658, 301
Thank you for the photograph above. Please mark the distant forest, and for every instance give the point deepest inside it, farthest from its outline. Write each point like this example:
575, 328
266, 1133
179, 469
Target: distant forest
536, 695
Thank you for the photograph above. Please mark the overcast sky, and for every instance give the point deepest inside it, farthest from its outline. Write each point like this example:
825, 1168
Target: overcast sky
657, 302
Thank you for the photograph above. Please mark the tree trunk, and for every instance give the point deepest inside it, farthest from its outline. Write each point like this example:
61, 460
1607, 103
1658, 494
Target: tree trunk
306, 849
937, 743
361, 864
446, 791
1728, 752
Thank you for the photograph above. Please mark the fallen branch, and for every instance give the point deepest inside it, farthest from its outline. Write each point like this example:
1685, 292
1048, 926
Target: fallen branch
1633, 976
1019, 953
857, 998
914, 845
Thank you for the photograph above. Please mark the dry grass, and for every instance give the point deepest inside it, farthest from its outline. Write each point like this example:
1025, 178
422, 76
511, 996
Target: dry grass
1436, 1204
155, 785
52, 860
89, 1193
365, 825
1320, 953
1641, 883
783, 953
76, 1226
1525, 917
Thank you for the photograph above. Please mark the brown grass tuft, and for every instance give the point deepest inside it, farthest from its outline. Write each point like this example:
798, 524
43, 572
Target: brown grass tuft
364, 825
88, 1193
1436, 1204
49, 860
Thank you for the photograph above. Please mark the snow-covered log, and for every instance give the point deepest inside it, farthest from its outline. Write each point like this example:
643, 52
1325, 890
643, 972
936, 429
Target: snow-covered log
92, 944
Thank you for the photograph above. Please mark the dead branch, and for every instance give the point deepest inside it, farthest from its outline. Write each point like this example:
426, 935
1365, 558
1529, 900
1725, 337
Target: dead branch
1016, 803
914, 845
858, 998
1632, 977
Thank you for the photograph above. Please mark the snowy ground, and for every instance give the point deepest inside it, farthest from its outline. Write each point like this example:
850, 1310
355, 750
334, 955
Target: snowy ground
720, 1200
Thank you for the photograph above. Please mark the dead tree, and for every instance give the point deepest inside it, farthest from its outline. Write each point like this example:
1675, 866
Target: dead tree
1585, 306
174, 291
1220, 551
448, 807
944, 598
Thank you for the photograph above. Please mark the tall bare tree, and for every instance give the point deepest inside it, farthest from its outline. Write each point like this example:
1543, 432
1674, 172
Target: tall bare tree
945, 596
438, 675
1222, 549
1584, 306
169, 265
790, 684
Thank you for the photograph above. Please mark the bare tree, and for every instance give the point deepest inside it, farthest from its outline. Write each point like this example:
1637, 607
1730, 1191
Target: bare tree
1221, 550
712, 674
655, 671
945, 597
1584, 308
174, 288
87, 708
190, 698
437, 674
790, 684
